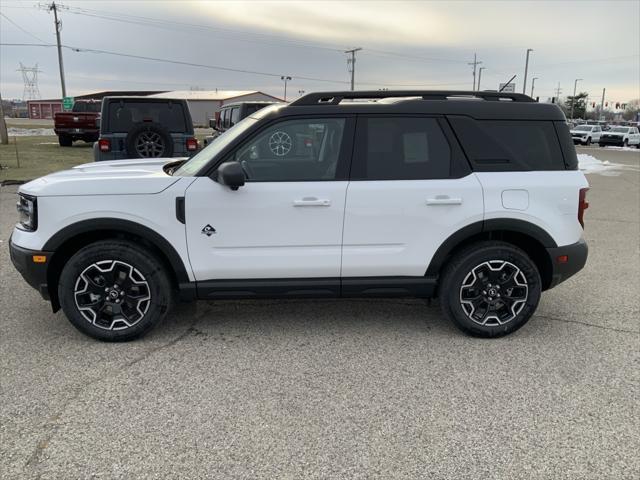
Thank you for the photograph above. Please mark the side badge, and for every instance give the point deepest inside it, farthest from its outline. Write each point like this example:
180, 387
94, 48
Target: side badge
208, 230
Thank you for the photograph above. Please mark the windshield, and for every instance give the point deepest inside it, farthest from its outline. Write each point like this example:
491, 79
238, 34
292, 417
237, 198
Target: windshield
583, 128
195, 163
620, 129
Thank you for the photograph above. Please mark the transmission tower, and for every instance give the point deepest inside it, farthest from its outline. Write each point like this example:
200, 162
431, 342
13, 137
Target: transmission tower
30, 79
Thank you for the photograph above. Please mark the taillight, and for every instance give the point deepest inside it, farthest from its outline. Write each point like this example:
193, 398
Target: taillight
582, 205
192, 144
104, 144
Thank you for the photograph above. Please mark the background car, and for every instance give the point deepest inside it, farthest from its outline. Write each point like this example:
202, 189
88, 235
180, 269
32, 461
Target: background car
144, 127
231, 114
621, 137
585, 134
78, 124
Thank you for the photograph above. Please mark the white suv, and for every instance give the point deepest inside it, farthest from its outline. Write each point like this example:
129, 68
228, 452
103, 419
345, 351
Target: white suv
620, 137
472, 197
586, 134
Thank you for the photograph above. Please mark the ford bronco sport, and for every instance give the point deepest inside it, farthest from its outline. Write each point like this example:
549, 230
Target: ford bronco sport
473, 197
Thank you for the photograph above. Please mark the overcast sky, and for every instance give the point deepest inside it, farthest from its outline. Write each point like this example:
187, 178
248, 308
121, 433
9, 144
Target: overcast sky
405, 44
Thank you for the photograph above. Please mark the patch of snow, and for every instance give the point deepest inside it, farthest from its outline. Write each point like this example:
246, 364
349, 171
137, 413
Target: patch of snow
624, 149
590, 164
30, 132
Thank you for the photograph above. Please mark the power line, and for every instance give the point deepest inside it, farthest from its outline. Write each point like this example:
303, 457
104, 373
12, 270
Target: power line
20, 28
217, 67
172, 25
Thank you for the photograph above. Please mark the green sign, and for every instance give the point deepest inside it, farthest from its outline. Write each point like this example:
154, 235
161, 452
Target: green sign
67, 103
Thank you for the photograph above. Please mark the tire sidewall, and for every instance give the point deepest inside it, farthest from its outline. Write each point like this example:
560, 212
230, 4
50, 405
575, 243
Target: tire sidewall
151, 268
466, 264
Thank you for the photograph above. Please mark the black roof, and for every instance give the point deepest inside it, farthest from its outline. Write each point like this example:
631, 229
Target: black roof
480, 105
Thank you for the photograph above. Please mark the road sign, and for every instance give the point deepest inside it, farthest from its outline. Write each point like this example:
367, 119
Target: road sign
508, 87
67, 103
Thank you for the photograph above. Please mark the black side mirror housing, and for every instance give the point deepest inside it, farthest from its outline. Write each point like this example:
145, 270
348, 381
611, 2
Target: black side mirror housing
231, 174
213, 123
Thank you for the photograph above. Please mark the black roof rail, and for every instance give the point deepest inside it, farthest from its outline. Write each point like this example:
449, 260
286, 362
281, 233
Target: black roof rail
334, 98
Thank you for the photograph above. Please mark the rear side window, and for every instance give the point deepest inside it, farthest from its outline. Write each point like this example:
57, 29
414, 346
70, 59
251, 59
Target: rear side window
235, 115
520, 145
400, 148
123, 116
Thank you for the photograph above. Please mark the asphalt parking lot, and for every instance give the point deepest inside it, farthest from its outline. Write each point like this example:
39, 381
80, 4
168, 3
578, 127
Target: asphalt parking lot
338, 388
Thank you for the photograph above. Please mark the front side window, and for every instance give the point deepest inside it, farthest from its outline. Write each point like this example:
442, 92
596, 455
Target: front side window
294, 150
395, 148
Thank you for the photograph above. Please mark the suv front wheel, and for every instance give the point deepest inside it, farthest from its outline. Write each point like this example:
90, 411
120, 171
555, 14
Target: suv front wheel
490, 289
114, 291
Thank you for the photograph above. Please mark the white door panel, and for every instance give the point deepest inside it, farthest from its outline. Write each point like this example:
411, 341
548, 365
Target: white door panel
265, 229
393, 228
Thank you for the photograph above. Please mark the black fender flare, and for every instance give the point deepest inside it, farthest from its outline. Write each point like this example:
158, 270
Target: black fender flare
95, 225
486, 226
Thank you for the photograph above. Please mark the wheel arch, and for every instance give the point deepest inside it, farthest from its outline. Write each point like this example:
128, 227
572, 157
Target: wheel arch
527, 236
72, 238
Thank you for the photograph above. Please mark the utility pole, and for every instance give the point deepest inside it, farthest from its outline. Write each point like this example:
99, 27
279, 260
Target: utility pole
602, 105
58, 24
573, 100
533, 84
475, 64
526, 69
286, 79
558, 91
4, 138
480, 75
351, 62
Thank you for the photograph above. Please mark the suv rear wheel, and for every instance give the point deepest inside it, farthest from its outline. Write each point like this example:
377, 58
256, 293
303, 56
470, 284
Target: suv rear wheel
490, 289
114, 291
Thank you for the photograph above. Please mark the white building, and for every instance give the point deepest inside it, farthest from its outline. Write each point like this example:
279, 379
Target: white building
203, 104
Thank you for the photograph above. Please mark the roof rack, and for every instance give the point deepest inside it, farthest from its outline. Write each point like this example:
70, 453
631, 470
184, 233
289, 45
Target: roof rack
334, 98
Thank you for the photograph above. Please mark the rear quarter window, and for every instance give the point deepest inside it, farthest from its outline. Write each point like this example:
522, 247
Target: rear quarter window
510, 145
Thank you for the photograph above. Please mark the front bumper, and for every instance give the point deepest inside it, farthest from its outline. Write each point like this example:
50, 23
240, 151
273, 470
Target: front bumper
576, 258
617, 142
35, 274
579, 140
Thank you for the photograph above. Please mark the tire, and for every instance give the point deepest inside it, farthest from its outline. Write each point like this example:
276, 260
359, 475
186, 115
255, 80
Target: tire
149, 140
65, 140
462, 279
625, 143
588, 141
131, 277
601, 145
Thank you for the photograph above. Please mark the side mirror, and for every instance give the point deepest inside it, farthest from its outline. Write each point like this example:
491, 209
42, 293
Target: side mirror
213, 123
98, 123
231, 174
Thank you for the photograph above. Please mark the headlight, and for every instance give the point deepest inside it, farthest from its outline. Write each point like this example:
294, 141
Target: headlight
28, 210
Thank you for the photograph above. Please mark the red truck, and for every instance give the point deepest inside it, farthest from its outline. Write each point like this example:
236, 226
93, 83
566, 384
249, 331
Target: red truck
81, 123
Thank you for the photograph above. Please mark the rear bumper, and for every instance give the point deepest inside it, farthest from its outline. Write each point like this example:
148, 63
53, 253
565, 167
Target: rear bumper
35, 274
576, 258
76, 131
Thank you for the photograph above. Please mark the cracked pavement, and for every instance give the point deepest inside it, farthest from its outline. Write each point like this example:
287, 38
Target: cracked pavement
337, 388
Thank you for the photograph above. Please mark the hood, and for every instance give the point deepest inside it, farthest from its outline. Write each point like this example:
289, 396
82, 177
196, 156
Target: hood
614, 134
119, 177
579, 132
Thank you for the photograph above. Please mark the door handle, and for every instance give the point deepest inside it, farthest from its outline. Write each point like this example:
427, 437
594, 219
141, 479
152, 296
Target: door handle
312, 202
444, 200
